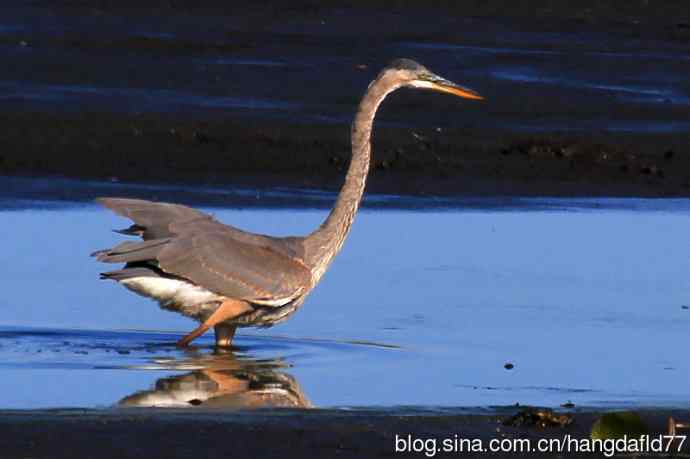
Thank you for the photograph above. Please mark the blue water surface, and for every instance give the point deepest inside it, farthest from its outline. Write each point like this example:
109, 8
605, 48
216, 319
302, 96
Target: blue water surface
423, 307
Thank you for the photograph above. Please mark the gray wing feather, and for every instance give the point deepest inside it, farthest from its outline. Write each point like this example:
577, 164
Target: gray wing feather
130, 272
192, 245
130, 252
152, 219
238, 270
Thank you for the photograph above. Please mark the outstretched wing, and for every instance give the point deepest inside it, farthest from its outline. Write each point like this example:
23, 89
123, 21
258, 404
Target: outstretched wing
152, 220
192, 245
222, 264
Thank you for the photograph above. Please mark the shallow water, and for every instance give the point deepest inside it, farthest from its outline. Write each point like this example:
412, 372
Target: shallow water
138, 100
423, 307
630, 90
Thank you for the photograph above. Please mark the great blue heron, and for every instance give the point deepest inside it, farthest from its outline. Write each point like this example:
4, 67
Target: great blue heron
227, 278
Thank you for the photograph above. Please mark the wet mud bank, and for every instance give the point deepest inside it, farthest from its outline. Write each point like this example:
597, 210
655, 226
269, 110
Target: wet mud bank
407, 161
289, 433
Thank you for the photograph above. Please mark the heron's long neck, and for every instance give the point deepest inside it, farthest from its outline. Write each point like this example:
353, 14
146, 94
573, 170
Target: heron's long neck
324, 243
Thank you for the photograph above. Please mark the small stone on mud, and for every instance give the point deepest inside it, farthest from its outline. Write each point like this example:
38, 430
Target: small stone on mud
201, 137
536, 417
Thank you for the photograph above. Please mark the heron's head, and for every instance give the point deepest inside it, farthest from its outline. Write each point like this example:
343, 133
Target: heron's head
412, 74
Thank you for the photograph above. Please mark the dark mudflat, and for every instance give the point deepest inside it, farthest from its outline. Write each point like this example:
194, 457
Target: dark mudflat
580, 100
286, 434
232, 153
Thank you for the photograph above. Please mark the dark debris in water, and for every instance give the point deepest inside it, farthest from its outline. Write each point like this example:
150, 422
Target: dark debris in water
538, 417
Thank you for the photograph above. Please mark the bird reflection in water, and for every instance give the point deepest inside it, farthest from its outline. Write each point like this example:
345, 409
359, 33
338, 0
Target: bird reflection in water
222, 380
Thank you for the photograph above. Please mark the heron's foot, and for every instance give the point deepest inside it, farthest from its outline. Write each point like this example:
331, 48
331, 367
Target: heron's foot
227, 310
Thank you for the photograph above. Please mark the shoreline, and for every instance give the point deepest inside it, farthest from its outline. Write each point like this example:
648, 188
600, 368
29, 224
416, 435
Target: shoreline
281, 433
60, 192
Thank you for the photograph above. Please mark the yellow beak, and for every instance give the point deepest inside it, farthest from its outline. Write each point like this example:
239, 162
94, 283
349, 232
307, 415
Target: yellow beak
452, 88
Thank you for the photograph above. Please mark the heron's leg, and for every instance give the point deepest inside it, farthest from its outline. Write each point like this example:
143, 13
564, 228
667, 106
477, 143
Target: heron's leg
227, 310
224, 334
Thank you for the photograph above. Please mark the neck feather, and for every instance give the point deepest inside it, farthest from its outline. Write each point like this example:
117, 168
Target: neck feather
324, 243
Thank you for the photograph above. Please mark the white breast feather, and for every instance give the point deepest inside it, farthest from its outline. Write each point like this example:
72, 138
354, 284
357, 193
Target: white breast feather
171, 291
